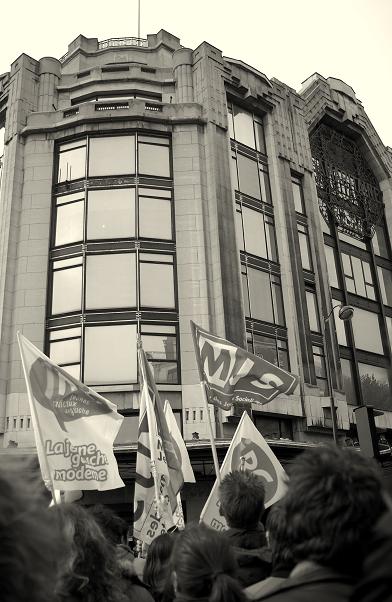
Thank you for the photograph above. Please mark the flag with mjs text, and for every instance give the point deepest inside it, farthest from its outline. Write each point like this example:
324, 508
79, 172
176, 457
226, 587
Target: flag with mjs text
233, 375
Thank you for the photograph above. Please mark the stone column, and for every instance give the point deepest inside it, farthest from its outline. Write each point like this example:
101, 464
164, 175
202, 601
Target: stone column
182, 65
49, 75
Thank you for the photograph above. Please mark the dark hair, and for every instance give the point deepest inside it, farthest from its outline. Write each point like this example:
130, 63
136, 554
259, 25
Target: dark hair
241, 495
157, 570
333, 500
91, 572
30, 543
114, 528
282, 557
205, 566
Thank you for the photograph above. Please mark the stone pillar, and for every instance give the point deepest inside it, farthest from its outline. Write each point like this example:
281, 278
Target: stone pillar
182, 61
49, 75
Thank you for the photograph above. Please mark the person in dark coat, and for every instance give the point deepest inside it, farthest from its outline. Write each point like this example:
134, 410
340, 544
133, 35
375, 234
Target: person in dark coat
241, 497
333, 500
376, 582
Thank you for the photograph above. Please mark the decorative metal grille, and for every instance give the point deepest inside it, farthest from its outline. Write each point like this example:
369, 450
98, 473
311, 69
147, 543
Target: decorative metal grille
347, 189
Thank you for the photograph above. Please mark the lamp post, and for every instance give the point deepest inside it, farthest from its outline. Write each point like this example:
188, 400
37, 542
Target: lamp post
345, 313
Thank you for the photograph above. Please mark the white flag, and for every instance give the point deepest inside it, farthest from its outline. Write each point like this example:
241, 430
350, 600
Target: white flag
179, 445
249, 450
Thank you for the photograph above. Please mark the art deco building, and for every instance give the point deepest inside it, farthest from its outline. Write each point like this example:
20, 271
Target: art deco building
145, 185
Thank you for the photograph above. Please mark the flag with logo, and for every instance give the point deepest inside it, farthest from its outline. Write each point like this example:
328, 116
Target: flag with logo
74, 427
159, 476
249, 451
233, 375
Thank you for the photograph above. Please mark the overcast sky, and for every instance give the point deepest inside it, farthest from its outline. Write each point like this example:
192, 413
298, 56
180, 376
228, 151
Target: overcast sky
287, 39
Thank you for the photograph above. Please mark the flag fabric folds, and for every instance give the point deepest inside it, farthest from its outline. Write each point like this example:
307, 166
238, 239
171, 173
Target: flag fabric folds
74, 427
248, 451
159, 476
179, 444
233, 375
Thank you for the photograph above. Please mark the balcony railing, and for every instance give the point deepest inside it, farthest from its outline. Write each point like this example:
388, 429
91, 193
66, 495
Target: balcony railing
116, 43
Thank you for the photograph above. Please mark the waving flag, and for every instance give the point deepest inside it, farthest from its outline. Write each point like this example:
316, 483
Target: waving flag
159, 476
74, 427
233, 375
248, 450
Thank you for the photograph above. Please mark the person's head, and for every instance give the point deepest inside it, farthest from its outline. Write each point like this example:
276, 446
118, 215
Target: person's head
30, 543
282, 557
204, 566
333, 500
241, 496
113, 527
90, 570
157, 569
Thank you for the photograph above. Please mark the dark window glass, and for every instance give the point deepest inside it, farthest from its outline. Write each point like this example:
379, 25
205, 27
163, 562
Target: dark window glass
274, 428
313, 314
69, 219
112, 156
111, 213
271, 349
249, 176
375, 386
265, 186
255, 242
277, 299
348, 382
245, 294
260, 138
272, 248
260, 295
385, 278
154, 159
331, 266
72, 161
110, 354
366, 329
67, 286
297, 193
111, 281
379, 241
319, 367
304, 247
156, 277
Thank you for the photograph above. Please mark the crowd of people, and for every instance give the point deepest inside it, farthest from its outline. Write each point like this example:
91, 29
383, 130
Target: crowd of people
329, 539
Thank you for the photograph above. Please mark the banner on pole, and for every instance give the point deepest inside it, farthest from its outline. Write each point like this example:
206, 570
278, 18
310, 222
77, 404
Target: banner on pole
233, 375
248, 449
74, 427
179, 445
159, 476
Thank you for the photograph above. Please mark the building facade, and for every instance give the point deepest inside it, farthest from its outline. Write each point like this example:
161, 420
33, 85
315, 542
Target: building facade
145, 185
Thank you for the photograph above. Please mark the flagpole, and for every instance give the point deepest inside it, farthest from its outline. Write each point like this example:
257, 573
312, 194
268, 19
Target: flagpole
36, 421
212, 438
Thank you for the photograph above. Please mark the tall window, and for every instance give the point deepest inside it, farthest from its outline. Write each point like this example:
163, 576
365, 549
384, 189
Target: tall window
113, 259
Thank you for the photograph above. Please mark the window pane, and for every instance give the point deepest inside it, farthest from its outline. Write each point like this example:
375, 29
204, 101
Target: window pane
366, 331
111, 213
245, 295
67, 290
73, 370
243, 127
311, 302
379, 241
249, 176
265, 347
375, 386
298, 204
238, 231
156, 285
165, 372
254, 232
233, 173
358, 276
260, 140
110, 281
260, 295
155, 220
271, 240
66, 333
331, 266
158, 347
69, 223
72, 164
154, 160
385, 278
65, 352
112, 155
110, 355
230, 123
265, 187
339, 326
305, 252
389, 328
352, 241
278, 304
348, 382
